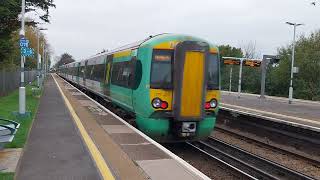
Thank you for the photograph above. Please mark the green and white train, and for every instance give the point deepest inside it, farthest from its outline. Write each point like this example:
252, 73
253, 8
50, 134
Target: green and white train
169, 82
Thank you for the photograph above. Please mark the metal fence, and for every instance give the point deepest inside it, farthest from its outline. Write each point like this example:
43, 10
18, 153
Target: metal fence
10, 80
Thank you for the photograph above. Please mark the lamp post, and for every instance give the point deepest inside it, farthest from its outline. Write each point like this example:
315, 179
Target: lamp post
22, 89
240, 77
43, 60
38, 56
230, 79
264, 64
295, 25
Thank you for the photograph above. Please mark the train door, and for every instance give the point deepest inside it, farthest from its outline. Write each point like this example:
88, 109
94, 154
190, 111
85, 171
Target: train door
77, 72
85, 73
191, 59
120, 90
108, 75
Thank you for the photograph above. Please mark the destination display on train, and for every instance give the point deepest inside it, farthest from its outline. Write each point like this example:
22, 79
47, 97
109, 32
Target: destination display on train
162, 57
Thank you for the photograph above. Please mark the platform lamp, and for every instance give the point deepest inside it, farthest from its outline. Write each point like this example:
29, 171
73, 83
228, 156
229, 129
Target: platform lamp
38, 56
22, 89
295, 25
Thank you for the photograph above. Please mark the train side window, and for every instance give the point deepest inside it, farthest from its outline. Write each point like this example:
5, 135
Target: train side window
88, 71
120, 74
81, 71
135, 78
98, 72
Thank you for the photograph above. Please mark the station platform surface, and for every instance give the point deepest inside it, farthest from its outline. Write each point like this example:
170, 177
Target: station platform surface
54, 149
73, 137
301, 112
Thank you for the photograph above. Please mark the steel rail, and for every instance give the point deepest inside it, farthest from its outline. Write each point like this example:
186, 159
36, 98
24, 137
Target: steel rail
275, 126
221, 161
257, 166
310, 159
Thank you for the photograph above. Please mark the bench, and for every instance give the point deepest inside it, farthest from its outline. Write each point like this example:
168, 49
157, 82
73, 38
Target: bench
8, 129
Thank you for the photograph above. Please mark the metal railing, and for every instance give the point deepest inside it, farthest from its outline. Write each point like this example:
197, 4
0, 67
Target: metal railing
10, 79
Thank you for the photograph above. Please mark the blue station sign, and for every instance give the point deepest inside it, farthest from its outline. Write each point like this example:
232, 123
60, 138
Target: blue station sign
24, 47
24, 42
25, 51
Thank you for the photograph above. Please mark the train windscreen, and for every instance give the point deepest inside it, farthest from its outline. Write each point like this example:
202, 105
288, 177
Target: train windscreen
213, 72
161, 70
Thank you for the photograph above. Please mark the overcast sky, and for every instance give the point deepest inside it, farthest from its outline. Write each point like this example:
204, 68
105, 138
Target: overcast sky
85, 27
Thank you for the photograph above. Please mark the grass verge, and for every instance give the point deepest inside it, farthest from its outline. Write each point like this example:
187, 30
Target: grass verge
6, 176
9, 104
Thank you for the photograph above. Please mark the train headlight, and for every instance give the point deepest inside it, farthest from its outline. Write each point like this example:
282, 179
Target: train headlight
156, 103
213, 103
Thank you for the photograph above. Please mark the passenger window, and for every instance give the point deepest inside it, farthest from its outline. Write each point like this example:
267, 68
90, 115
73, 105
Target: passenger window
98, 72
121, 73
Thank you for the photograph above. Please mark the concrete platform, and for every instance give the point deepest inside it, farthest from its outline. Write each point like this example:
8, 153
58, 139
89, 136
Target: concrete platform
128, 152
9, 159
54, 149
300, 112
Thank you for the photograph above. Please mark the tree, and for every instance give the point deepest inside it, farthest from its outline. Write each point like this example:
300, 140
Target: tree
251, 76
10, 10
9, 26
229, 51
306, 83
14, 59
250, 50
64, 59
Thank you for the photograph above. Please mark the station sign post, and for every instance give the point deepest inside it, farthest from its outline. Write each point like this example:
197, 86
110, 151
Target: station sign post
242, 62
25, 52
265, 61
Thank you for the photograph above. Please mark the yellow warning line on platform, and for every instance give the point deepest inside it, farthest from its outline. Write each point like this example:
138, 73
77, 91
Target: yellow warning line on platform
95, 153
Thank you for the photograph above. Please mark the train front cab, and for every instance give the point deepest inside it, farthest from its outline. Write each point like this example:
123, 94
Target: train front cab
184, 91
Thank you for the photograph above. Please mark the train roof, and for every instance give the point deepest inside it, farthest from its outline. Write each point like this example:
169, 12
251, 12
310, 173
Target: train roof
135, 45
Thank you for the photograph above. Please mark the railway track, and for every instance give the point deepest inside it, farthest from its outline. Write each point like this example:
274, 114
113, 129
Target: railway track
304, 142
267, 145
254, 166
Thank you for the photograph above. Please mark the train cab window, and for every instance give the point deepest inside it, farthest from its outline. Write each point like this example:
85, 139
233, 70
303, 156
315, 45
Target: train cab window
213, 72
161, 69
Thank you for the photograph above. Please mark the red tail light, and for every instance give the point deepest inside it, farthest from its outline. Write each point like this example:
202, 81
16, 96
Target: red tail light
207, 105
164, 105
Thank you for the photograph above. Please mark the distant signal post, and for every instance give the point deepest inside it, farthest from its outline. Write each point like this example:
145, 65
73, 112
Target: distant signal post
241, 62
